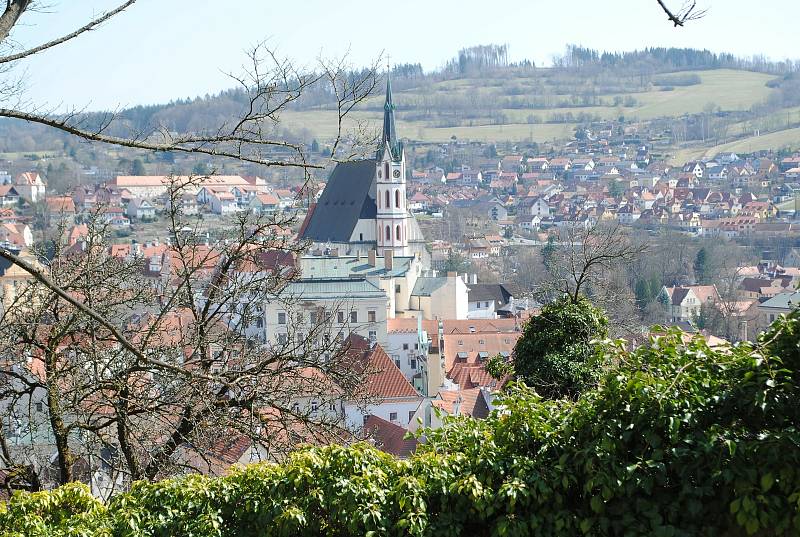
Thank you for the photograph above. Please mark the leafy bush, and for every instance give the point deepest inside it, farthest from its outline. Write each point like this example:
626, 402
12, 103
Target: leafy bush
679, 440
556, 354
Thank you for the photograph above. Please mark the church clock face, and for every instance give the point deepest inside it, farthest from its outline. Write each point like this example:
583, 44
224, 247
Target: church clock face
396, 174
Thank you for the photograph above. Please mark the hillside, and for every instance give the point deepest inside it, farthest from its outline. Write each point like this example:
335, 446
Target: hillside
421, 119
691, 101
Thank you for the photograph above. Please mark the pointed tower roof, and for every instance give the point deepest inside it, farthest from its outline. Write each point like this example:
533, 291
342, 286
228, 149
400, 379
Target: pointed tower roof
389, 131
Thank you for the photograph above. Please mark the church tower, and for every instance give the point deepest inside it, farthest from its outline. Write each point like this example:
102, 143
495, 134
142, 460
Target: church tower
390, 181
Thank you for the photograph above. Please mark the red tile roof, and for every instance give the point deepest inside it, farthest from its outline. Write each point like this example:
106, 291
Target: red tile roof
390, 437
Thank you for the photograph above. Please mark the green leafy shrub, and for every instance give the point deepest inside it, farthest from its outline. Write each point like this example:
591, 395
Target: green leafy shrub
679, 440
557, 353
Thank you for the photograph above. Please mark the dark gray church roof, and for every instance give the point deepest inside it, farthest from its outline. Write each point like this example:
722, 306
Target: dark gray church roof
345, 199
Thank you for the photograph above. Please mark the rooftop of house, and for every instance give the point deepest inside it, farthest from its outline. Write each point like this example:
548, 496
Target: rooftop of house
390, 437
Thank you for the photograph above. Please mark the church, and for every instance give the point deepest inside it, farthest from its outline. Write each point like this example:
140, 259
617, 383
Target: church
363, 207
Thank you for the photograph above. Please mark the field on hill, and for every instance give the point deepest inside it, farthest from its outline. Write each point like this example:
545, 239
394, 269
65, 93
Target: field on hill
725, 89
786, 138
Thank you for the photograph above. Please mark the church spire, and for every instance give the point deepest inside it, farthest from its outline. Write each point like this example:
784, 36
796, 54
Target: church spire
389, 130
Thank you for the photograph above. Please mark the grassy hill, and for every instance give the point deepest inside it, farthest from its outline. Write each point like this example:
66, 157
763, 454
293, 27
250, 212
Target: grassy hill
781, 139
421, 119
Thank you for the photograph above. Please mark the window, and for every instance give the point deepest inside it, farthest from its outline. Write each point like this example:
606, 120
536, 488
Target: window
313, 317
353, 316
481, 342
361, 236
387, 205
397, 363
314, 406
282, 338
388, 230
460, 342
373, 336
39, 407
366, 417
295, 408
397, 198
340, 317
392, 416
260, 322
371, 316
386, 171
405, 346
410, 415
397, 233
396, 288
281, 317
413, 363
416, 346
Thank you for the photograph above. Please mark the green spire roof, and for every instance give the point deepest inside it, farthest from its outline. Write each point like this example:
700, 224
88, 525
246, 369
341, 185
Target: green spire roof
389, 131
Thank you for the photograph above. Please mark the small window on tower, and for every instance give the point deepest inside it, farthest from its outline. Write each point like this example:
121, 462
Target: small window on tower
397, 198
386, 167
397, 233
388, 230
387, 204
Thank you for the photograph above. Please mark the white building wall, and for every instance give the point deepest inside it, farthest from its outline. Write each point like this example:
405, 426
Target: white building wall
404, 410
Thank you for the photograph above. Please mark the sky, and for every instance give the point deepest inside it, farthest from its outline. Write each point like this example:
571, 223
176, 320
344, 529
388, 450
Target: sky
161, 50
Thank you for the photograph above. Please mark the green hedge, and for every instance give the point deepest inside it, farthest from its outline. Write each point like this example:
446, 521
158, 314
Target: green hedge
679, 440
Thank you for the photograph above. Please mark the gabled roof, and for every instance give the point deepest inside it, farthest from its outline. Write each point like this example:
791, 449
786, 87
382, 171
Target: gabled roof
384, 379
345, 199
496, 292
472, 402
390, 437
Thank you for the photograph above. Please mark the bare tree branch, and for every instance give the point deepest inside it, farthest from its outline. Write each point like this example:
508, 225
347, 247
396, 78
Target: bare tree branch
687, 12
63, 39
12, 13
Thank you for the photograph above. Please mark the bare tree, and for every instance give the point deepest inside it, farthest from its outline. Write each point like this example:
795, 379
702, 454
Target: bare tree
107, 364
588, 260
270, 84
147, 372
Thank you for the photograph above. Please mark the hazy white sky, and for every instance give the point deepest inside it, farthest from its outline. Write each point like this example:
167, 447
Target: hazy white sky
160, 50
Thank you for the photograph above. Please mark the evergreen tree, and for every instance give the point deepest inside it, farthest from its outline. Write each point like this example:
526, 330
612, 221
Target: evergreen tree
701, 269
137, 168
549, 252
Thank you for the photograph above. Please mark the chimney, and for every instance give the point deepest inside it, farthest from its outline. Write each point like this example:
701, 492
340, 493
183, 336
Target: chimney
371, 258
388, 259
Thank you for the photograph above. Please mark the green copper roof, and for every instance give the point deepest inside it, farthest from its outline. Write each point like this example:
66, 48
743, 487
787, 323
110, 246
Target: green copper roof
389, 130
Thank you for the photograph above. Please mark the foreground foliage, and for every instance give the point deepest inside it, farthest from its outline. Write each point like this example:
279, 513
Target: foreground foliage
680, 440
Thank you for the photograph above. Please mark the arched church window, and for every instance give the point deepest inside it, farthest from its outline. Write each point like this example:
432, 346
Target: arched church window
398, 233
397, 198
388, 233
388, 203
386, 169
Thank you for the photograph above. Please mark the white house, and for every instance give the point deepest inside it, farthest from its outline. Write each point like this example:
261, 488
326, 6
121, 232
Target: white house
139, 208
30, 186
